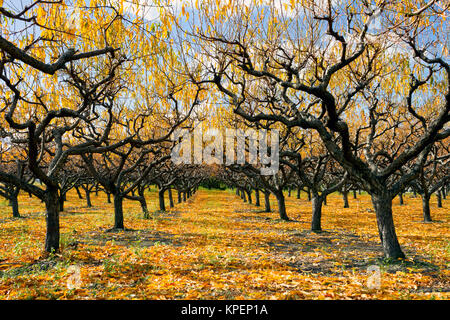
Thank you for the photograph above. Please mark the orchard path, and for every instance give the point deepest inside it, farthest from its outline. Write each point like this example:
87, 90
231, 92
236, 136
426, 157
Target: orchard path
214, 246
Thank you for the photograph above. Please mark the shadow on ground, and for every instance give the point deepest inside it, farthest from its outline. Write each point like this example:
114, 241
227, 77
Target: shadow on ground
128, 237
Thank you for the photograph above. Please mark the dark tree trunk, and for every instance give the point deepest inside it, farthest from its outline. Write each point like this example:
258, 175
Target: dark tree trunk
257, 201
249, 196
51, 200
345, 198
118, 212
162, 203
144, 207
281, 206
316, 221
267, 201
382, 203
289, 192
244, 197
170, 198
62, 198
184, 196
88, 198
108, 197
400, 196
298, 192
145, 211
354, 194
237, 192
324, 200
309, 194
439, 198
15, 205
426, 208
179, 195
143, 202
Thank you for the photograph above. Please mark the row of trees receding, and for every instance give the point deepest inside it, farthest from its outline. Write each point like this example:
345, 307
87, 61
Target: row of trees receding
359, 91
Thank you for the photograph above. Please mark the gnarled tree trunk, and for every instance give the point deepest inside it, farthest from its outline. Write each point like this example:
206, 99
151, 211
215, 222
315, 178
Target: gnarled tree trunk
267, 201
345, 198
170, 198
439, 198
144, 208
88, 198
15, 205
51, 201
162, 203
382, 203
426, 208
62, 198
257, 201
400, 196
118, 211
143, 202
249, 196
316, 221
179, 196
281, 206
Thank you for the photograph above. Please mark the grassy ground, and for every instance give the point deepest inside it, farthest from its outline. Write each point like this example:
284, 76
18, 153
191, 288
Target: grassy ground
216, 247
